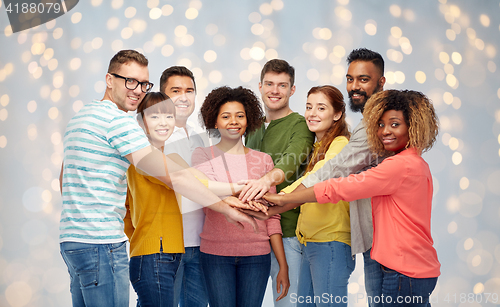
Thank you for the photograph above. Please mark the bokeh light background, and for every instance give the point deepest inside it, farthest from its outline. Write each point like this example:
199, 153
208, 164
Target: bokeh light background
447, 49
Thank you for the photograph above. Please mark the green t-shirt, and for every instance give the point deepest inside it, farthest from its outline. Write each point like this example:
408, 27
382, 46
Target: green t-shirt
288, 141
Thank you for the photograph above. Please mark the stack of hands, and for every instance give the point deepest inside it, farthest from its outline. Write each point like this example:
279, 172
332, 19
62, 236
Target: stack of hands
254, 199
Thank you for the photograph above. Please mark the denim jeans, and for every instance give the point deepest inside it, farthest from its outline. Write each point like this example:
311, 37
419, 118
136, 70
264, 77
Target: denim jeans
325, 273
152, 277
373, 280
294, 254
98, 273
190, 289
235, 281
401, 290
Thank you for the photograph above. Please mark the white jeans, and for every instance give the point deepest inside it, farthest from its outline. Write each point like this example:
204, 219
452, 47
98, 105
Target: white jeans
294, 253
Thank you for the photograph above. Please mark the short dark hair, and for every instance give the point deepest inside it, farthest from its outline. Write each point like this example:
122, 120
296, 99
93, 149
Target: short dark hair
278, 66
209, 111
367, 55
124, 57
155, 102
175, 71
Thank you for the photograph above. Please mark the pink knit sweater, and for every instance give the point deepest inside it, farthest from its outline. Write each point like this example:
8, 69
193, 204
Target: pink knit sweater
219, 237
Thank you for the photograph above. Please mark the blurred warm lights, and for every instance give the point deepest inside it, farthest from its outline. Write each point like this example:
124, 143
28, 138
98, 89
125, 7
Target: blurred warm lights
271, 54
312, 74
215, 76
32, 132
187, 40
456, 158
167, 50
371, 27
18, 293
451, 35
257, 29
116, 4
448, 69
127, 33
420, 77
77, 105
129, 13
278, 4
210, 56
320, 53
167, 10
257, 53
156, 13
485, 20
343, 13
191, 13
138, 25
180, 31
491, 51
451, 80
76, 17
266, 9
463, 55
479, 43
396, 32
4, 100
464, 183
3, 141
444, 57
456, 58
471, 33
3, 114
452, 227
100, 86
53, 113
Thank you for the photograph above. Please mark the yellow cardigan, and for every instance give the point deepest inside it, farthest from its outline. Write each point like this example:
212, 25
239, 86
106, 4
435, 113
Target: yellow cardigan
153, 219
323, 222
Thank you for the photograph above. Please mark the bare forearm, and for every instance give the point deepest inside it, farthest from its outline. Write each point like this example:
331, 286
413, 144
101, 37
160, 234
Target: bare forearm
278, 249
301, 196
154, 163
274, 177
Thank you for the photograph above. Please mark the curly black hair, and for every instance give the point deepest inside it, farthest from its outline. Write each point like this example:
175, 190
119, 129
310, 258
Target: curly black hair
216, 98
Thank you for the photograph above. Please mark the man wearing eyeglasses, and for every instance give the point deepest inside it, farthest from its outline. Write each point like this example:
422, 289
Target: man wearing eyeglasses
100, 143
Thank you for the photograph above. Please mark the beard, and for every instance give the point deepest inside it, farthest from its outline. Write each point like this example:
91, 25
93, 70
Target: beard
359, 107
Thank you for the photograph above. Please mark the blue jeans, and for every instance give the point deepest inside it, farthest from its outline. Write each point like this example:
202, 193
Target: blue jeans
325, 273
401, 290
235, 281
190, 289
294, 255
373, 280
152, 277
98, 273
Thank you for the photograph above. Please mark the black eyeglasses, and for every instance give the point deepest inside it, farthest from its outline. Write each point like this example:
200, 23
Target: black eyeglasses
132, 84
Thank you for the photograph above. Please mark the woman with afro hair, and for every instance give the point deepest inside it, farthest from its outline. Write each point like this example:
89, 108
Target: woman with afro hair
403, 124
236, 261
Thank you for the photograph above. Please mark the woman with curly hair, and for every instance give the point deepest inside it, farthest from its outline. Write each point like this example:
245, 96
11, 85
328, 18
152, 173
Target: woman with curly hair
404, 124
236, 261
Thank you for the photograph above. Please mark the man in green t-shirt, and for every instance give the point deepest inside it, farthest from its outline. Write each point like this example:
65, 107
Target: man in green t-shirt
285, 137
